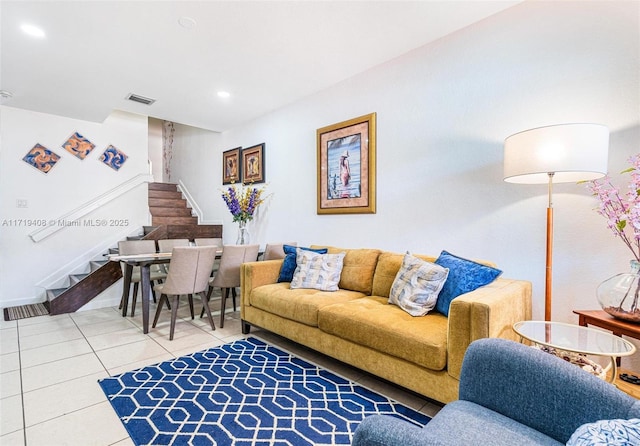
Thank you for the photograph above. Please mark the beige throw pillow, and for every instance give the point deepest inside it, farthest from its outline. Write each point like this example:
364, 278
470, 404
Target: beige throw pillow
417, 284
317, 271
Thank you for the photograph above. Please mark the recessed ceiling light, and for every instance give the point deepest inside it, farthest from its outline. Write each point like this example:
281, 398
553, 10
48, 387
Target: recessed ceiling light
32, 30
224, 94
187, 22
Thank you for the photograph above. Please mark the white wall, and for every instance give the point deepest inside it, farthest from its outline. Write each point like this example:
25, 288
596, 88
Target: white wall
443, 113
25, 265
155, 148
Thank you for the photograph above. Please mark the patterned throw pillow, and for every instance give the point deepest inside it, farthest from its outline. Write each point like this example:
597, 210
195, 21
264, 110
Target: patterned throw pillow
464, 277
607, 432
417, 284
317, 271
289, 263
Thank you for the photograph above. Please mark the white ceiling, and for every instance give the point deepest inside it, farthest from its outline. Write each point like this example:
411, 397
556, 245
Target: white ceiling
265, 53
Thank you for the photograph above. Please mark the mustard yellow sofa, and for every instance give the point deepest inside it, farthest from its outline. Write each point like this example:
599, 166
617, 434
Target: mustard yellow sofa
356, 324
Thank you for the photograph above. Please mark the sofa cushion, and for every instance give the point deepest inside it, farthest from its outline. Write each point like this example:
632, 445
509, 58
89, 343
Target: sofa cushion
359, 266
386, 270
609, 432
289, 263
371, 322
317, 271
300, 305
464, 276
416, 286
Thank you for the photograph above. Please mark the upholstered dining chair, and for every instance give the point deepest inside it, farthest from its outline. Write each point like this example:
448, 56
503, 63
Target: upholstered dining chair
215, 241
275, 250
228, 275
132, 247
212, 241
166, 245
189, 273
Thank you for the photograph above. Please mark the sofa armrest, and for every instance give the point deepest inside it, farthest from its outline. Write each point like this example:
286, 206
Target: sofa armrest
255, 274
489, 311
384, 430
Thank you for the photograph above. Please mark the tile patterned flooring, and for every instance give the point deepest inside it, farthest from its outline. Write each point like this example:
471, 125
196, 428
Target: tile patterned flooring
49, 367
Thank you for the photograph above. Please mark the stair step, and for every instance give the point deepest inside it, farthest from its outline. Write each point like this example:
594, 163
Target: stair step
52, 294
95, 264
163, 186
175, 220
75, 278
170, 212
167, 202
165, 194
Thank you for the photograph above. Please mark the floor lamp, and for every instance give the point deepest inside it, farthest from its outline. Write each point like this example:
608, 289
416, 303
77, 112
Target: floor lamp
565, 153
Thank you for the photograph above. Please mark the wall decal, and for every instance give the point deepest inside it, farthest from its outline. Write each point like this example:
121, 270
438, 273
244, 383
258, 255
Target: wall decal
168, 129
113, 157
78, 145
41, 158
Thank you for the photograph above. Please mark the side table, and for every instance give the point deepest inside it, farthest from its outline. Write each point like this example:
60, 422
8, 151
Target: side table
599, 318
576, 339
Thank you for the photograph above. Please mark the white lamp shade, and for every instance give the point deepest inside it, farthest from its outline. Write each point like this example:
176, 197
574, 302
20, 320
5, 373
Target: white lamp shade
572, 152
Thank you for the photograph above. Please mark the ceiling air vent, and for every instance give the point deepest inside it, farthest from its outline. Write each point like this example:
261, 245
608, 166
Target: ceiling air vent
140, 99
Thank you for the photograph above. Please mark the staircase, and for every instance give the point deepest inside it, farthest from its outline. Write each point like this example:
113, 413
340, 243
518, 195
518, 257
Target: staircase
171, 218
168, 207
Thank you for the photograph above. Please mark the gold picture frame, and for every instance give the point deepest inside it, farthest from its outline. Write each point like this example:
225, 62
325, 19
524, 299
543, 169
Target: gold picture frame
253, 164
231, 166
347, 167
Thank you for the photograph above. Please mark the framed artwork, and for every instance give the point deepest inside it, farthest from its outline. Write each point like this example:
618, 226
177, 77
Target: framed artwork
253, 164
231, 168
347, 167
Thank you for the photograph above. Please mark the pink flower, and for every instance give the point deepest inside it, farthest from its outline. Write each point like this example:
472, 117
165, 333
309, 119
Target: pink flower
622, 211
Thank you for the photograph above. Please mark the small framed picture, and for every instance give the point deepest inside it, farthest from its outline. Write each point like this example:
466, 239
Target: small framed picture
253, 165
231, 167
347, 167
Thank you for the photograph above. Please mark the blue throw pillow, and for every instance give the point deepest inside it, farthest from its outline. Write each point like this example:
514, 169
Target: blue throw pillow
464, 276
289, 264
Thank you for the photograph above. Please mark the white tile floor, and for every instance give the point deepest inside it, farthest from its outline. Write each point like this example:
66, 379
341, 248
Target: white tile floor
50, 365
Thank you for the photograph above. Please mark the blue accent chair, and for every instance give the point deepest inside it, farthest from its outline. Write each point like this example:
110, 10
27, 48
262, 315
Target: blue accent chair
511, 395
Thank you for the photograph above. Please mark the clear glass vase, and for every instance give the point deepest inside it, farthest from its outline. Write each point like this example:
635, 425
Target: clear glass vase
243, 234
618, 295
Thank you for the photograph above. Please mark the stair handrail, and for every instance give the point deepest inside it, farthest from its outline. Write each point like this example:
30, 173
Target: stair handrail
194, 206
190, 200
53, 225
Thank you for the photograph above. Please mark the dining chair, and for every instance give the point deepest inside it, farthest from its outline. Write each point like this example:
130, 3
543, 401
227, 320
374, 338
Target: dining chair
189, 272
132, 247
212, 241
166, 245
275, 250
215, 241
227, 278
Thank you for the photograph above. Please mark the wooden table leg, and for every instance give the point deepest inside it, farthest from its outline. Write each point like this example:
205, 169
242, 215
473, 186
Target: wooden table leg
128, 271
145, 279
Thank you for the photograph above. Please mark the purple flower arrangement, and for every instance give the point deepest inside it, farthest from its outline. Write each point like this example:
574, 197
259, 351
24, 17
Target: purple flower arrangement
243, 202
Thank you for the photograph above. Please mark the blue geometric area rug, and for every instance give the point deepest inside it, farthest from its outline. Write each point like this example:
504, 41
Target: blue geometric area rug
243, 393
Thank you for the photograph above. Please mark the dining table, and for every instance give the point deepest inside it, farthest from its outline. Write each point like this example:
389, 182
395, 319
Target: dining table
144, 261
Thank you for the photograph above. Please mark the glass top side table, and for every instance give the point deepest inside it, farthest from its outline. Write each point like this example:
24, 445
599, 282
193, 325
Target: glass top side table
576, 339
